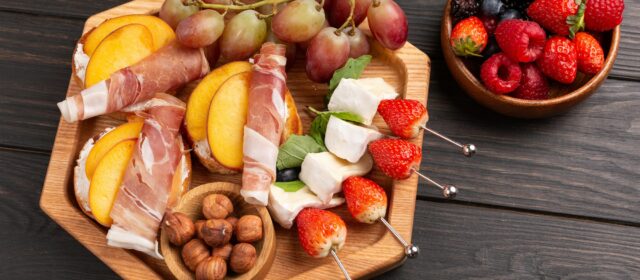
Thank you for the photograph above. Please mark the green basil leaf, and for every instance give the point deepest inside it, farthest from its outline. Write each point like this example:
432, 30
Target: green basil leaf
319, 124
292, 186
292, 152
351, 70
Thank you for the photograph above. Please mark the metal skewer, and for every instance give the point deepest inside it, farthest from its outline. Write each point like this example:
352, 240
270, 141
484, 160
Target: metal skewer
340, 265
448, 191
468, 150
410, 250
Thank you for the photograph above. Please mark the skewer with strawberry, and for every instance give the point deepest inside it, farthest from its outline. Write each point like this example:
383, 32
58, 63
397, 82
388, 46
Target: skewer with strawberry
399, 158
407, 117
367, 203
322, 233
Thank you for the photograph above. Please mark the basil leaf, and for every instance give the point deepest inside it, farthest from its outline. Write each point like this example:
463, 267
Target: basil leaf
319, 124
292, 186
292, 152
351, 70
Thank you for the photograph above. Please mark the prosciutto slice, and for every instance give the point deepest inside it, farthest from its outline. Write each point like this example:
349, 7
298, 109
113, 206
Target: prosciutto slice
168, 68
265, 122
147, 184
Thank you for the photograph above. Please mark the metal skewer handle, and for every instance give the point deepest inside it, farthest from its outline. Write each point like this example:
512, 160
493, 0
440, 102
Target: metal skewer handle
468, 150
340, 265
410, 250
448, 191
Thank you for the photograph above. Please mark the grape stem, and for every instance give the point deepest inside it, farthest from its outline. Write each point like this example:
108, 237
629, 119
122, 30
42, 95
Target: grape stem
235, 7
349, 20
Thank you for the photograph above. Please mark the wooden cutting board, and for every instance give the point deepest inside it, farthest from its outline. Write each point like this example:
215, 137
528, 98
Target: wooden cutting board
369, 249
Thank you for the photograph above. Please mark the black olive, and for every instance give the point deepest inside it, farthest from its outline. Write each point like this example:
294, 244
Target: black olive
287, 175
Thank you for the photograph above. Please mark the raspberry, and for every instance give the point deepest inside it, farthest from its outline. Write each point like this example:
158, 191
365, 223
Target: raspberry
500, 74
533, 85
520, 40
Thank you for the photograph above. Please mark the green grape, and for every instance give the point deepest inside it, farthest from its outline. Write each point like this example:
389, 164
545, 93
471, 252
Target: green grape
173, 11
243, 36
299, 21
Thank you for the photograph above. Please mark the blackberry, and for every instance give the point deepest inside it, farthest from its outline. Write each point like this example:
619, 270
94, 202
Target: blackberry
518, 5
461, 9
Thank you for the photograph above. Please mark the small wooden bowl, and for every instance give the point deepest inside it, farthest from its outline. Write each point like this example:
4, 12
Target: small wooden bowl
563, 97
191, 205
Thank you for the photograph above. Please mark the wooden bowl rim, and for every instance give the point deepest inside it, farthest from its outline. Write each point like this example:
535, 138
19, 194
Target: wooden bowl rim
266, 254
583, 90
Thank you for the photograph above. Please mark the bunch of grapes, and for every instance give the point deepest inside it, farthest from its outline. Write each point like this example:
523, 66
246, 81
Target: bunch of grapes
327, 29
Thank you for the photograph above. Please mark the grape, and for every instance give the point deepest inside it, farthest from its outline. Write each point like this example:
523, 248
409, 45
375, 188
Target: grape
200, 29
243, 36
173, 11
358, 43
341, 8
305, 44
230, 13
326, 53
388, 24
212, 53
299, 21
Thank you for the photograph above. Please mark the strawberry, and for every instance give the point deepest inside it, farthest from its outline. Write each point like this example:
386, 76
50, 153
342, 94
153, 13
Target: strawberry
553, 14
520, 40
404, 117
590, 53
469, 37
500, 74
320, 231
395, 157
366, 200
559, 60
603, 15
533, 85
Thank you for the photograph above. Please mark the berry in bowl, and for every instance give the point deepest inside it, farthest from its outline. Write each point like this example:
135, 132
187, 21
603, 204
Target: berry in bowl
531, 59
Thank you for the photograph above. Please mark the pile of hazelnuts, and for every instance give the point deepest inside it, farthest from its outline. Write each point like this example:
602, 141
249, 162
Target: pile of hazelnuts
208, 245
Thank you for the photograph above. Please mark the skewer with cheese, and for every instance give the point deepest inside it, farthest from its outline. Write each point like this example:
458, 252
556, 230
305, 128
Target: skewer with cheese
347, 140
361, 97
324, 173
284, 206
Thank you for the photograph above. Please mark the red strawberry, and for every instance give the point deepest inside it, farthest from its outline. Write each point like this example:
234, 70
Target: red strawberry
533, 85
469, 37
559, 60
553, 14
520, 40
500, 74
320, 231
590, 53
404, 117
603, 15
366, 200
395, 157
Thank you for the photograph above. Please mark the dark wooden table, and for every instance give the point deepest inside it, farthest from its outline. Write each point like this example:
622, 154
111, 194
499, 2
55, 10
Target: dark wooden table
544, 199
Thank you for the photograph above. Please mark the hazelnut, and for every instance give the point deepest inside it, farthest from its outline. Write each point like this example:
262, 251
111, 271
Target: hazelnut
198, 225
233, 221
216, 206
243, 257
223, 251
194, 252
249, 229
216, 232
179, 228
212, 268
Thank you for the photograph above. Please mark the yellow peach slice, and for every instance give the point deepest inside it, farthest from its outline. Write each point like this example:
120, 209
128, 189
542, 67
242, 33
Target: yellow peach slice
124, 132
160, 30
293, 124
227, 117
107, 180
123, 47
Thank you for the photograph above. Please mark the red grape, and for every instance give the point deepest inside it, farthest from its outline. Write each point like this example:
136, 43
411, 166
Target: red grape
388, 23
173, 11
358, 43
200, 29
299, 21
341, 8
212, 53
243, 36
326, 53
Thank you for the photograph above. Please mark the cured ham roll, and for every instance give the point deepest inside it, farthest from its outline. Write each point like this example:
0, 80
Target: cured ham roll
147, 183
265, 122
168, 68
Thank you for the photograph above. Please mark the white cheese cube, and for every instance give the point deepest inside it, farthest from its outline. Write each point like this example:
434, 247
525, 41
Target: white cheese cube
324, 173
285, 206
361, 97
348, 141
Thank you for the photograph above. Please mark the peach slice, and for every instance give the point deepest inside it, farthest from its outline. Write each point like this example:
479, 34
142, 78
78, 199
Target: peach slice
127, 131
160, 30
107, 180
293, 123
226, 120
123, 47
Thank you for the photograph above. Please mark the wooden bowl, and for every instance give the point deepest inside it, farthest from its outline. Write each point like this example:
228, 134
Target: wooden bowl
191, 205
563, 97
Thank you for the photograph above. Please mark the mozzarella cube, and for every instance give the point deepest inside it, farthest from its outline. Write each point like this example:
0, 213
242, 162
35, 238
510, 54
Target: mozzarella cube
361, 97
285, 206
347, 140
324, 173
